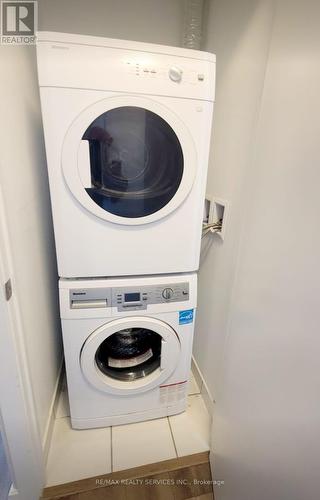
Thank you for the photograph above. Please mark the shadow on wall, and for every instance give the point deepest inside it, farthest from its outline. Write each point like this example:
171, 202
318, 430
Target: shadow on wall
41, 184
237, 19
24, 183
5, 479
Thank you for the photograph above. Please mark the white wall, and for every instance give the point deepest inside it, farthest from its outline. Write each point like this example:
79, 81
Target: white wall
266, 439
239, 34
24, 185
143, 20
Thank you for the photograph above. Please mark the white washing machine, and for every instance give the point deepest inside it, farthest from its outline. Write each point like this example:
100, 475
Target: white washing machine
127, 347
127, 131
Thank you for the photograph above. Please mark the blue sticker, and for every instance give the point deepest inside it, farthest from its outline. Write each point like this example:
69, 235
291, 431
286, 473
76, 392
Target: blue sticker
186, 317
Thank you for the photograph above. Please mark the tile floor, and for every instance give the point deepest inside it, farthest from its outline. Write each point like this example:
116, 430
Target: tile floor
75, 454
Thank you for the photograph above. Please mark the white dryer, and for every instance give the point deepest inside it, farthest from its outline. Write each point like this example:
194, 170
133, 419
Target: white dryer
127, 347
127, 131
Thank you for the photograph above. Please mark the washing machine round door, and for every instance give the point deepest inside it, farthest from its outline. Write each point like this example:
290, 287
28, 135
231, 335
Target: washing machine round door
130, 355
129, 160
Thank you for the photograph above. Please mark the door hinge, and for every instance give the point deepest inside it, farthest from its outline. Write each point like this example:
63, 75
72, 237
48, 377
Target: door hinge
8, 289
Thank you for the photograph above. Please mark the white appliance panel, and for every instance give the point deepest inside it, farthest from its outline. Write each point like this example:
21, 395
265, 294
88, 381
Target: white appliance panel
100, 400
83, 240
127, 142
134, 67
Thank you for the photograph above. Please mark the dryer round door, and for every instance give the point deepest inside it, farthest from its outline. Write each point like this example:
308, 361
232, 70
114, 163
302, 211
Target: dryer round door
130, 355
129, 160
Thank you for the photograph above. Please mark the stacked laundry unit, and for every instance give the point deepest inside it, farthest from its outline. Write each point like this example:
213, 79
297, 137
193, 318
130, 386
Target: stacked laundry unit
127, 131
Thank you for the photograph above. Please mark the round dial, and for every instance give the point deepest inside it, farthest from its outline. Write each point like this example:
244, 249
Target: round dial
175, 74
167, 293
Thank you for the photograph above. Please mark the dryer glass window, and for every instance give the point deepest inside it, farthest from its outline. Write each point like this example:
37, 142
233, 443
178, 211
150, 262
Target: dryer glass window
129, 354
136, 161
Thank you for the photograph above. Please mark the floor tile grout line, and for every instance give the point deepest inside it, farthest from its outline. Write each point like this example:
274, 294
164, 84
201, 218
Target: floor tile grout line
198, 390
172, 436
171, 428
194, 394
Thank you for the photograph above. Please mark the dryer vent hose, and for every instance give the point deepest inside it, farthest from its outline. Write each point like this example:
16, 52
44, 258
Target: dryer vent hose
192, 32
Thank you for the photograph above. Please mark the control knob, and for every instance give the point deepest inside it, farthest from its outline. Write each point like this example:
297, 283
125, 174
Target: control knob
167, 293
175, 74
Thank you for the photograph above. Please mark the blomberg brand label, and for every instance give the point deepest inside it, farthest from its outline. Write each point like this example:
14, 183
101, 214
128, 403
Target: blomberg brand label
19, 22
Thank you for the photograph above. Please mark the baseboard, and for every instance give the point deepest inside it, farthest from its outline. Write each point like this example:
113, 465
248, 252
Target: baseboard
51, 417
205, 393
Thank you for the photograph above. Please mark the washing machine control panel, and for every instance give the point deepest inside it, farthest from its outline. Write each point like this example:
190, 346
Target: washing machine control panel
129, 298
137, 298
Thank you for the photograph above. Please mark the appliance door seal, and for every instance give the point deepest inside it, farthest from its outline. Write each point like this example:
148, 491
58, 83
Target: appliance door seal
129, 160
124, 357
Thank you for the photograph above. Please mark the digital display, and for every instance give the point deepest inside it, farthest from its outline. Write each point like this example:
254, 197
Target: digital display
132, 297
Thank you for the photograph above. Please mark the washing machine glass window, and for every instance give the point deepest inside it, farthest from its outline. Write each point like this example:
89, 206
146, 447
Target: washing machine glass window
129, 354
136, 161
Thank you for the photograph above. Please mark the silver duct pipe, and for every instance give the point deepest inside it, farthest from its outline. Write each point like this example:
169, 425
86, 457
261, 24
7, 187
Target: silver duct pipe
192, 32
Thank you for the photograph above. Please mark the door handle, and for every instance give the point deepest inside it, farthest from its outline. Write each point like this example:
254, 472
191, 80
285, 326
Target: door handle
164, 352
88, 304
84, 163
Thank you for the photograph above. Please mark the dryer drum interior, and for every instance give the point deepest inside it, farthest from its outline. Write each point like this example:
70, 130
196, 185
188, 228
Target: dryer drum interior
136, 161
129, 354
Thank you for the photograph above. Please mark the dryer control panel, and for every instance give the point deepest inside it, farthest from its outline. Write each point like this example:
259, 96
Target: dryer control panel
131, 298
124, 66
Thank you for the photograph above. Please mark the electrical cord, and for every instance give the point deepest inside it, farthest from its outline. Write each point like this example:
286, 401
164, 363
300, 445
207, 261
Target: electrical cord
214, 227
213, 224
